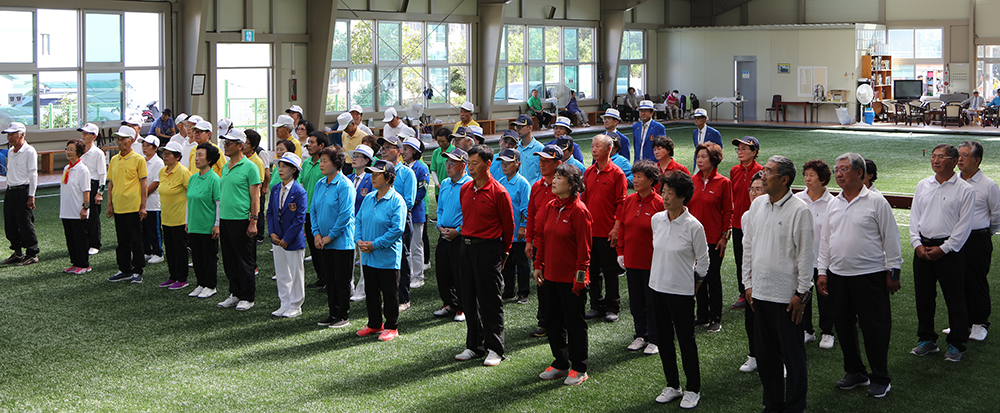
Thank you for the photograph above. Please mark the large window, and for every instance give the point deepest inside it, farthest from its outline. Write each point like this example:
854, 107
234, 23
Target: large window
61, 68
988, 70
917, 54
379, 63
551, 60
631, 63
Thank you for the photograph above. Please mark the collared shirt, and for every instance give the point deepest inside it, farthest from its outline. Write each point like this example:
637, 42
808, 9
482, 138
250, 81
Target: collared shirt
218, 164
562, 243
275, 177
701, 134
173, 195
187, 145
496, 167
309, 176
541, 194
96, 164
394, 131
712, 204
164, 125
22, 168
487, 212
740, 177
422, 176
818, 209
535, 103
625, 166
439, 166
519, 190
604, 193
405, 184
351, 142
284, 192
261, 169
859, 237
125, 173
333, 211
942, 210
362, 186
153, 167
626, 144
461, 124
235, 190
71, 192
635, 214
529, 162
449, 204
203, 194
672, 166
579, 165
381, 221
679, 251
986, 212
777, 248
297, 144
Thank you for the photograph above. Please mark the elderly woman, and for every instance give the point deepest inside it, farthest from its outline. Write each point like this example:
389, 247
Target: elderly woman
74, 203
817, 176
332, 208
361, 157
286, 215
679, 246
379, 236
562, 258
174, 179
712, 205
635, 252
203, 195
279, 152
663, 151
302, 131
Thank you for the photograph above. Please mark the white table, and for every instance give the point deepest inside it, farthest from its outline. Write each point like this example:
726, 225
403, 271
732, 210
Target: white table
737, 105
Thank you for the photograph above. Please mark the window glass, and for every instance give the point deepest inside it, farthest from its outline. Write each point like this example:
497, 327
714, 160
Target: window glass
536, 80
361, 42
457, 43
503, 44
17, 34
413, 81
585, 83
388, 87
570, 78
103, 37
500, 89
551, 44
388, 45
19, 106
927, 43
536, 43
901, 44
243, 55
515, 83
458, 84
341, 47
58, 99
141, 31
413, 44
621, 80
439, 82
635, 45
586, 45
141, 87
515, 44
57, 38
336, 100
570, 46
437, 42
104, 97
362, 87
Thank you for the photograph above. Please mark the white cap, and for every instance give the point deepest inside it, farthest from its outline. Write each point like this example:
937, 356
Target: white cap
124, 132
564, 122
700, 112
235, 135
364, 150
133, 120
18, 127
389, 115
89, 128
292, 159
203, 125
180, 118
174, 146
151, 139
613, 114
343, 120
646, 104
468, 106
194, 119
357, 108
405, 133
412, 142
286, 121
294, 108
224, 125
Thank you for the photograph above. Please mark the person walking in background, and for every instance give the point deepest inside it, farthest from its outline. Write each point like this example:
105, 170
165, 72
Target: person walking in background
74, 205
93, 158
332, 204
152, 244
204, 194
712, 205
174, 180
285, 216
127, 194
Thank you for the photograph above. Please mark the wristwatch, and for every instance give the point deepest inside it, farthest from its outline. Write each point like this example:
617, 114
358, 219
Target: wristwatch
804, 296
894, 274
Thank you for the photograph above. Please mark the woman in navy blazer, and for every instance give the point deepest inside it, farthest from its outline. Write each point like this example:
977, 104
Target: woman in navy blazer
285, 218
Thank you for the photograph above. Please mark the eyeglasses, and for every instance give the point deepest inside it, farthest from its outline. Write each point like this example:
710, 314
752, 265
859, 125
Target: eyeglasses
842, 170
965, 156
506, 163
941, 157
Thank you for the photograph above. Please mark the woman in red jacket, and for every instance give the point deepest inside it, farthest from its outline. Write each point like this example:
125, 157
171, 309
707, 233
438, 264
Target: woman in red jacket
712, 205
561, 262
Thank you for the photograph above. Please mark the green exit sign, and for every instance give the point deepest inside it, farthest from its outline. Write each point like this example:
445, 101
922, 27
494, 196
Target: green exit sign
247, 35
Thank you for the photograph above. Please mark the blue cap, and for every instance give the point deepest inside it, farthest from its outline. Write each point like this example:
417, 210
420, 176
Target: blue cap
550, 152
381, 166
749, 141
510, 155
564, 142
523, 120
457, 155
511, 134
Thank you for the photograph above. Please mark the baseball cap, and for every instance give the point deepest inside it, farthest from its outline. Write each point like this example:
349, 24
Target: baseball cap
613, 114
389, 115
203, 125
181, 118
133, 120
700, 112
194, 119
151, 139
405, 133
357, 108
123, 132
294, 108
167, 112
292, 159
16, 127
224, 125
523, 120
477, 132
646, 104
457, 155
364, 150
460, 132
550, 152
412, 142
286, 121
380, 166
510, 155
235, 135
565, 143
749, 141
343, 120
89, 128
468, 106
174, 146
512, 135
564, 122
389, 140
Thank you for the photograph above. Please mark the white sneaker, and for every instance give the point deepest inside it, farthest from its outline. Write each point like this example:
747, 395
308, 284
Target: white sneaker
651, 349
93, 251
147, 256
292, 313
466, 355
417, 282
279, 312
669, 394
197, 290
492, 359
274, 277
978, 332
459, 317
637, 344
443, 311
690, 400
229, 302
750, 366
826, 342
809, 338
404, 307
308, 259
946, 331
155, 259
244, 305
357, 297
208, 292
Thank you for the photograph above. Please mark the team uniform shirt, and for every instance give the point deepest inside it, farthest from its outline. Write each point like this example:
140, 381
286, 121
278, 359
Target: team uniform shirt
942, 210
577, 153
203, 195
381, 221
487, 212
261, 169
529, 162
579, 165
423, 177
819, 211
496, 167
625, 166
562, 243
740, 177
672, 166
859, 237
636, 233
520, 191
308, 177
351, 142
333, 212
449, 207
439, 166
986, 212
712, 204
777, 248
605, 191
96, 164
680, 251
362, 186
364, 128
218, 164
461, 124
406, 184
22, 168
235, 190
624, 141
394, 131
75, 181
873, 189
187, 145
541, 194
153, 167
275, 178
173, 195
297, 144
125, 173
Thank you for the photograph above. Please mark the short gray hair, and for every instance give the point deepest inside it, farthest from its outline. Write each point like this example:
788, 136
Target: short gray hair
605, 140
975, 146
785, 168
856, 161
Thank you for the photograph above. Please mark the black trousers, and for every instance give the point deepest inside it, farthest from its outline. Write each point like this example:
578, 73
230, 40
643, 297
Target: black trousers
567, 328
19, 222
175, 249
710, 293
779, 342
673, 314
448, 257
640, 304
382, 289
205, 257
543, 301
262, 219
427, 244
76, 242
151, 238
543, 117
128, 228
863, 300
94, 220
239, 258
404, 264
737, 235
340, 267
604, 272
978, 257
825, 308
481, 287
315, 253
750, 325
517, 265
950, 272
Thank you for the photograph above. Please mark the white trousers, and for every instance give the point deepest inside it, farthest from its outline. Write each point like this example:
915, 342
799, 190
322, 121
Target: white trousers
417, 251
290, 270
359, 288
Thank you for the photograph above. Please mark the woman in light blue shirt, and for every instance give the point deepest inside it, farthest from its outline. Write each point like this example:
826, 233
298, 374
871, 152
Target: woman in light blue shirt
332, 207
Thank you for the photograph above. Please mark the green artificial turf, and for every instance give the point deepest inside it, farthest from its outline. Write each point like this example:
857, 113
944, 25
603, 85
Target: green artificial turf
80, 343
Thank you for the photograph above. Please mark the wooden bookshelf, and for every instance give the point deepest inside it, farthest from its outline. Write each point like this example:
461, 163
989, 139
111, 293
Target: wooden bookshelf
878, 68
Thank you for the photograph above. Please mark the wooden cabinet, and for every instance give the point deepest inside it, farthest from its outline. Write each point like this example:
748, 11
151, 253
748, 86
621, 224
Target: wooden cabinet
878, 68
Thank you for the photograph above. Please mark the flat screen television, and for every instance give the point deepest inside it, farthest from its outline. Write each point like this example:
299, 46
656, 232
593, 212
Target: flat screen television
907, 90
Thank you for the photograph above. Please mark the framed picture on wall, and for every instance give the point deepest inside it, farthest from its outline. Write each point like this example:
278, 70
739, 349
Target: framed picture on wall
784, 68
198, 84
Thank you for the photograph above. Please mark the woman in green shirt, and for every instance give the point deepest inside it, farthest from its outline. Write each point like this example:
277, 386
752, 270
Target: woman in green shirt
203, 196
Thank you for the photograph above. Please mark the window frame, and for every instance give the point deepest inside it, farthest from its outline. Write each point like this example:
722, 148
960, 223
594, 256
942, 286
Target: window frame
630, 61
527, 64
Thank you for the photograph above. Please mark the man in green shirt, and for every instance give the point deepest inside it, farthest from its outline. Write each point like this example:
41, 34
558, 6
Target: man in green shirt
535, 109
308, 178
239, 205
439, 169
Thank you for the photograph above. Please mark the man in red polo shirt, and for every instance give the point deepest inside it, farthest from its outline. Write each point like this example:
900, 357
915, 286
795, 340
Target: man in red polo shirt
487, 230
549, 158
740, 175
605, 190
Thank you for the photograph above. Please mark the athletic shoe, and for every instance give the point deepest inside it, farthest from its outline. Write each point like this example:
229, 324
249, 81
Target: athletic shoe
388, 335
358, 296
166, 283
669, 394
70, 270
637, 344
592, 314
690, 400
701, 323
978, 332
852, 380
466, 355
924, 348
327, 321
308, 259
522, 299
315, 285
279, 312
714, 327
953, 354
229, 302
459, 317
274, 277
538, 332
256, 271
367, 331
946, 331
610, 317
292, 313
207, 292
177, 285
492, 359
739, 304
136, 279
93, 251
340, 324
404, 307
651, 349
119, 276
879, 390
197, 291
13, 259
82, 270
750, 366
809, 337
244, 305
574, 378
826, 342
444, 311
417, 282
28, 261
147, 256
155, 259
552, 373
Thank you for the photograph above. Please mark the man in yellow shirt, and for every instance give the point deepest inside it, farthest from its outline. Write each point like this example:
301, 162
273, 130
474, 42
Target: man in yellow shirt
127, 203
465, 116
202, 132
351, 136
283, 129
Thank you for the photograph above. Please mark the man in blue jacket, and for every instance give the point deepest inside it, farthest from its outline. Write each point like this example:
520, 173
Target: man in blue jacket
702, 132
644, 131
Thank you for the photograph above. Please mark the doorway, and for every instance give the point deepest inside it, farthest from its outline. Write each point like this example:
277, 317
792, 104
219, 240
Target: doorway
746, 84
244, 88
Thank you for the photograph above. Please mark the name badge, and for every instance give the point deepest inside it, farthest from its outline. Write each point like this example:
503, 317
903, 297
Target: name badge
292, 206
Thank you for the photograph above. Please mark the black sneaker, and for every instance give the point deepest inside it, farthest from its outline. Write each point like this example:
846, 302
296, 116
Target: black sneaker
28, 261
852, 380
610, 317
879, 390
340, 324
701, 323
538, 332
522, 300
593, 314
327, 321
322, 289
315, 285
13, 259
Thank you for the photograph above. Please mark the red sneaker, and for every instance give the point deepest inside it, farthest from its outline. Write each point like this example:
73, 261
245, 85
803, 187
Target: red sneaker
367, 331
388, 335
70, 270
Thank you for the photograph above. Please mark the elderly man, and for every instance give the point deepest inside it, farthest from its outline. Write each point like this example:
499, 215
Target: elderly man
777, 271
135, 122
163, 127
393, 125
606, 187
202, 132
463, 139
19, 199
611, 120
508, 140
859, 262
93, 159
352, 134
974, 105
528, 146
519, 190
295, 112
644, 131
702, 132
741, 175
284, 127
356, 113
465, 115
127, 196
449, 246
549, 158
239, 206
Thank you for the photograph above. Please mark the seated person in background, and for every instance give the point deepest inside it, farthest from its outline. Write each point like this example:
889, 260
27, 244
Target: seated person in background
535, 109
631, 108
974, 104
572, 109
996, 100
673, 105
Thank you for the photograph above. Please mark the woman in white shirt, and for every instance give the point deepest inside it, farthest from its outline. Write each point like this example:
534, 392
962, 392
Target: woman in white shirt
74, 202
817, 174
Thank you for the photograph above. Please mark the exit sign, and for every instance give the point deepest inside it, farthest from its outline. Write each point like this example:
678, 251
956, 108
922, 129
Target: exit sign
247, 35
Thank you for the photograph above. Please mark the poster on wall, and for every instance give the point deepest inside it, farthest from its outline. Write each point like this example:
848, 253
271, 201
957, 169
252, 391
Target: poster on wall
784, 68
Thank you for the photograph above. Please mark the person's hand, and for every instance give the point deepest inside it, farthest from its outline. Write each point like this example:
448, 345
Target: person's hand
697, 285
579, 287
283, 244
891, 285
31, 203
934, 253
521, 233
613, 236
796, 307
920, 252
538, 276
215, 232
83, 214
252, 229
821, 285
748, 295
529, 250
621, 261
186, 229
142, 213
274, 239
98, 198
327, 240
318, 242
111, 210
721, 244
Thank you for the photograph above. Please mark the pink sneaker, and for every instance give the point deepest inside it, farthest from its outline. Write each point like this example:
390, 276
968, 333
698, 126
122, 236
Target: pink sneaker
177, 285
166, 283
81, 270
70, 270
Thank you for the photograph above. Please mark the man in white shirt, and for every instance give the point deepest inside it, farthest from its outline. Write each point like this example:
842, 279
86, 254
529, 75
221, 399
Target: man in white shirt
94, 159
777, 271
152, 243
979, 247
19, 199
940, 220
975, 105
859, 262
356, 113
394, 126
